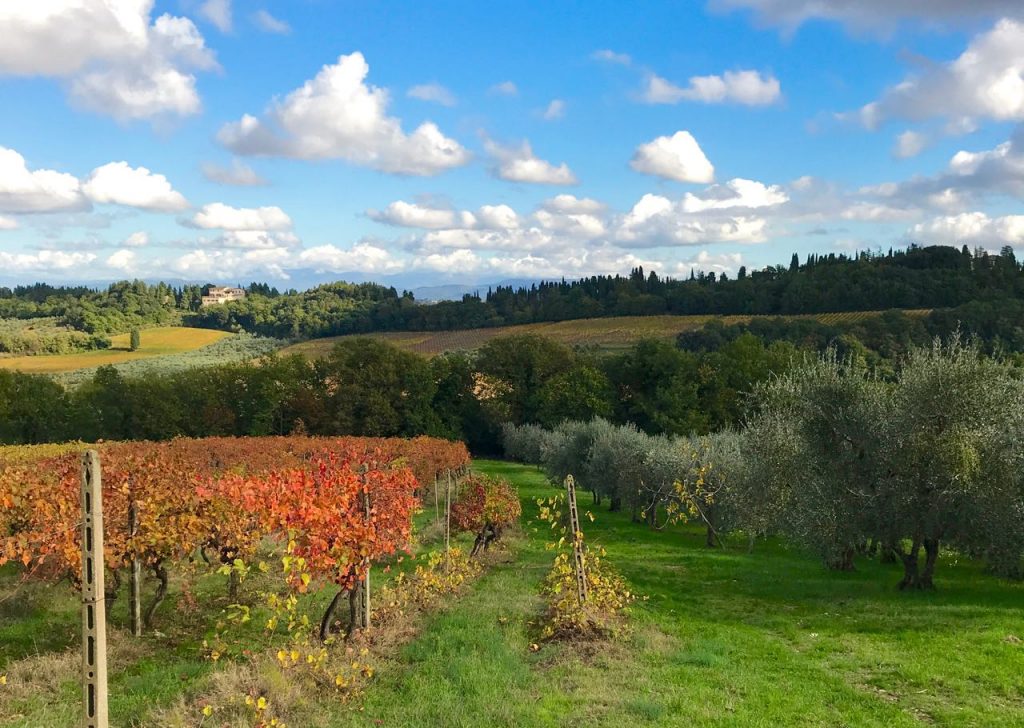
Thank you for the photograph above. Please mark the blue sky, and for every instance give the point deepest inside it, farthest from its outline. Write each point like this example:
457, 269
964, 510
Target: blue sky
237, 140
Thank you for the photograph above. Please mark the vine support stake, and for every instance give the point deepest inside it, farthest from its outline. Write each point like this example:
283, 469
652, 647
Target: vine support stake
577, 541
447, 520
364, 594
94, 605
136, 575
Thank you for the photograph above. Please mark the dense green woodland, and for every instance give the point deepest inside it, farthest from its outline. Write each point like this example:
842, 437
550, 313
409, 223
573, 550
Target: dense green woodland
372, 388
935, 277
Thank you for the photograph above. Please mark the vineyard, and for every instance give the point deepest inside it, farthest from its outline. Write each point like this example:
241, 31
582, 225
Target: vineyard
612, 333
158, 342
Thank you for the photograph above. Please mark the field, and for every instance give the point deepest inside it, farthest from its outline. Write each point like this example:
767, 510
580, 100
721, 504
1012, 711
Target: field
723, 637
605, 333
156, 342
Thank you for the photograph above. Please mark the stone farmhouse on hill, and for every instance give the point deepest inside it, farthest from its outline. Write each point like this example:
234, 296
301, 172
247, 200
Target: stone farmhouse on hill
223, 294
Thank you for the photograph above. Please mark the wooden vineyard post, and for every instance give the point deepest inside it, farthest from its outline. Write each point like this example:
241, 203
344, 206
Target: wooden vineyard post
94, 605
437, 511
364, 594
577, 541
447, 519
136, 575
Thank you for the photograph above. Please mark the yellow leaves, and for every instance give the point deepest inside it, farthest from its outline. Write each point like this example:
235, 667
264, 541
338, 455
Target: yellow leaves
306, 578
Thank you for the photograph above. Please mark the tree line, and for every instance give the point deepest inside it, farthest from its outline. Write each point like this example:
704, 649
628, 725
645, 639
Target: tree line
369, 387
935, 277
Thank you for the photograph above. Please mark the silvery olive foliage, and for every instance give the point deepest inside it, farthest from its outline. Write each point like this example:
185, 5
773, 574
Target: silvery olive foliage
846, 463
833, 458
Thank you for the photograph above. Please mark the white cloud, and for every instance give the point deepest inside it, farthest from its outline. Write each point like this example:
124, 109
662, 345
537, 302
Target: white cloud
122, 260
498, 217
409, 214
238, 174
257, 240
656, 221
505, 88
433, 92
269, 24
985, 82
554, 111
873, 14
677, 157
117, 63
42, 190
608, 56
970, 228
735, 193
138, 239
336, 115
218, 12
224, 217
570, 204
8, 223
117, 183
230, 265
457, 261
362, 257
519, 164
45, 261
740, 87
909, 144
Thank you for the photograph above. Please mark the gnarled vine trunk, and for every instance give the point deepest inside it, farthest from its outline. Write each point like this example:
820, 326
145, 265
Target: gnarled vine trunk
161, 593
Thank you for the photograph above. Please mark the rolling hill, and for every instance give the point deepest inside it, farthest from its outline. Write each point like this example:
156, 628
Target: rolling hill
604, 333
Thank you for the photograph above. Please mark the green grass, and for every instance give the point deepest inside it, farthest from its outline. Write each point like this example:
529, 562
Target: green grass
611, 333
155, 342
724, 638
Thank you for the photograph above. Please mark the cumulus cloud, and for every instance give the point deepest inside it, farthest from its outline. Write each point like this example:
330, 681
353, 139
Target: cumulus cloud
433, 92
269, 24
656, 221
361, 257
736, 193
676, 157
122, 260
117, 62
970, 228
909, 144
985, 82
209, 264
138, 239
519, 164
749, 88
872, 14
336, 115
569, 204
410, 214
119, 184
45, 261
217, 12
238, 174
554, 111
505, 88
41, 190
217, 215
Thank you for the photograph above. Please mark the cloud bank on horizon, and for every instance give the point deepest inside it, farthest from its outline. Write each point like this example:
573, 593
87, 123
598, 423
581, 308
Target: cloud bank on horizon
215, 141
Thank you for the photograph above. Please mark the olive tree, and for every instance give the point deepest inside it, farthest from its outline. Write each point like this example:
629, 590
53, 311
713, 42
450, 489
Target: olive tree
813, 443
953, 455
